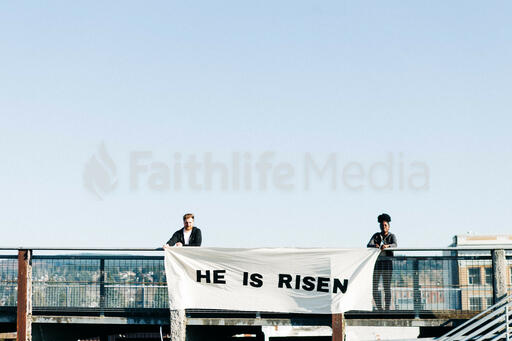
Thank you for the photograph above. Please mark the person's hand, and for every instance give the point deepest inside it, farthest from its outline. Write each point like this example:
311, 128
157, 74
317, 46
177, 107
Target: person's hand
178, 244
166, 246
384, 247
377, 246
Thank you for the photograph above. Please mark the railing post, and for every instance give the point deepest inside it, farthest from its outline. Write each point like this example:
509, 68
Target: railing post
416, 288
499, 275
24, 310
143, 294
102, 286
178, 325
338, 327
506, 322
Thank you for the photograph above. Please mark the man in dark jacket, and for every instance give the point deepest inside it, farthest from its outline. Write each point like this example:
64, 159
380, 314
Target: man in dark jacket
189, 235
384, 266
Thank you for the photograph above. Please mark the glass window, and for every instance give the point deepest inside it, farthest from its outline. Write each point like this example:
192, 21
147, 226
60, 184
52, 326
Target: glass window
488, 276
488, 301
474, 276
475, 303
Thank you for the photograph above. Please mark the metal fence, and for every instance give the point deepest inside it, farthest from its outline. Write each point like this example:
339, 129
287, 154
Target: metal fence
8, 281
434, 283
452, 282
103, 283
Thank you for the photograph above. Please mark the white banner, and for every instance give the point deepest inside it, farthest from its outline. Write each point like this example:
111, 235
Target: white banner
321, 281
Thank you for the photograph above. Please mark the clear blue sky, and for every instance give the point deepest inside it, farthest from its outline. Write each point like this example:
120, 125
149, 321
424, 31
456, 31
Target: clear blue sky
422, 83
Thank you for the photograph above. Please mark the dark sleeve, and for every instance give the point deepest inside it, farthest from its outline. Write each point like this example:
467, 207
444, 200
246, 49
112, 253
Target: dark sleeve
372, 241
174, 239
198, 239
393, 241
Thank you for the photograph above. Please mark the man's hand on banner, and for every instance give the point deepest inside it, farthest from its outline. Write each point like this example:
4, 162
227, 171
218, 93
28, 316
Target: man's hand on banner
167, 246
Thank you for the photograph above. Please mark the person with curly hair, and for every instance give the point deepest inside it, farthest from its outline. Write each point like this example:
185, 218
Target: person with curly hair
384, 266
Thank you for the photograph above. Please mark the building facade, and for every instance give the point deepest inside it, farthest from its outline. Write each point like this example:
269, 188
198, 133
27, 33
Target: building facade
475, 274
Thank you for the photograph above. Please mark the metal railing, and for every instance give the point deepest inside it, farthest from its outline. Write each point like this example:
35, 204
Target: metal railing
491, 324
443, 280
435, 283
8, 281
98, 282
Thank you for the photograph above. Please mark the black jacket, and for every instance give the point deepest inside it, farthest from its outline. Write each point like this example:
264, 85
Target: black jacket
195, 237
379, 239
